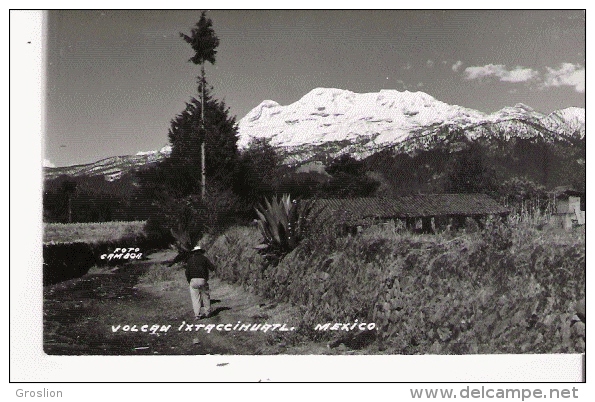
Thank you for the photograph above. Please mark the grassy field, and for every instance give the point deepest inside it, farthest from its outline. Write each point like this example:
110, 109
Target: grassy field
91, 232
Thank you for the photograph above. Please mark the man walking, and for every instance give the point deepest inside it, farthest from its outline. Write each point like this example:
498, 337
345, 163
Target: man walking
197, 275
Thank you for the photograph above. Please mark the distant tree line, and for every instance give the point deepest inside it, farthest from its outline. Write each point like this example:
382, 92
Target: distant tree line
94, 199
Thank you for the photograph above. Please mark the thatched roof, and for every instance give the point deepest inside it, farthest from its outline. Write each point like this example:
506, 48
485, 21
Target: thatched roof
414, 206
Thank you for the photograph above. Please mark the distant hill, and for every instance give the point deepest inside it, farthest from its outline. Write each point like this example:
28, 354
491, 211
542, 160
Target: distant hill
550, 164
110, 168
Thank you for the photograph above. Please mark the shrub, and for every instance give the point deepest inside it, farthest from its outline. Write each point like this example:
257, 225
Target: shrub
236, 259
63, 261
183, 221
70, 250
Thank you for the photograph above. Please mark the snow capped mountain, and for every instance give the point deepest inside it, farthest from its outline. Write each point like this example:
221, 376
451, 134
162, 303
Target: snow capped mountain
166, 150
328, 122
518, 111
570, 121
328, 114
335, 121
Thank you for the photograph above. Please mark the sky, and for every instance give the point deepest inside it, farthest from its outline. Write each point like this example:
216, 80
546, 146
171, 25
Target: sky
116, 78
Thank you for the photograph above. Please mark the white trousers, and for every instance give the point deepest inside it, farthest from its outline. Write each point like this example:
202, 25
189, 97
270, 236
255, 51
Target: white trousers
200, 295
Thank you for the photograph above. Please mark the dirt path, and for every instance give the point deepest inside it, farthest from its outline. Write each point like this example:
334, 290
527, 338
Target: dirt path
96, 315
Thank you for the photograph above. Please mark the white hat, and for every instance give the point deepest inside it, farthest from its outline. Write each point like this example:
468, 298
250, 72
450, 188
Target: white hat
197, 248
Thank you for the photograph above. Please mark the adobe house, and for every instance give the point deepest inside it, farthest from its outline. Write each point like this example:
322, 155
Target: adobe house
416, 211
569, 209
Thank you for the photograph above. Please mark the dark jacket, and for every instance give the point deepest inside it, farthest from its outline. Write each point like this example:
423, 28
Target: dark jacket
198, 266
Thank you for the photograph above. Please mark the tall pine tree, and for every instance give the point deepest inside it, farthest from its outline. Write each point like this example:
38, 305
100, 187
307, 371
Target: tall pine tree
204, 135
204, 130
204, 42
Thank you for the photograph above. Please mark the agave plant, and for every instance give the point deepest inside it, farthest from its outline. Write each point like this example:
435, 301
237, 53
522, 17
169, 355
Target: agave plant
182, 236
275, 222
282, 224
187, 217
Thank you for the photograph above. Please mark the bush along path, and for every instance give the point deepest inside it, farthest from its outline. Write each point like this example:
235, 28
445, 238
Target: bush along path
144, 308
510, 288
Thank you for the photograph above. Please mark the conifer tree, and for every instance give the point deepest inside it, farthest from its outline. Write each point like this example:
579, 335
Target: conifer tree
218, 139
204, 42
203, 130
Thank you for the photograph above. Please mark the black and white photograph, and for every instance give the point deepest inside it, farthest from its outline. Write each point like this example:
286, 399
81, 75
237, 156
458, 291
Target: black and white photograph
314, 183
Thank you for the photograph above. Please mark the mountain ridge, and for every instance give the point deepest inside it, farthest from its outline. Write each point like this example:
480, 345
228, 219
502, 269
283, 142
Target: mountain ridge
111, 168
388, 118
328, 122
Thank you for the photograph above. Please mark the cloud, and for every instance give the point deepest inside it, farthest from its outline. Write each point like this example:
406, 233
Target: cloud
518, 74
430, 63
420, 84
407, 66
47, 163
567, 74
457, 66
474, 73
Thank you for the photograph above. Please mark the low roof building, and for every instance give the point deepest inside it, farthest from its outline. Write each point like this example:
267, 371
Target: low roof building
354, 211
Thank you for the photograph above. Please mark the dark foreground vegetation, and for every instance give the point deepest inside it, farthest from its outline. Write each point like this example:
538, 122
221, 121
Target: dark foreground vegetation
506, 289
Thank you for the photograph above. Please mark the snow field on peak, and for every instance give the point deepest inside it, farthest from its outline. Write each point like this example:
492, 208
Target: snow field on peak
330, 114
